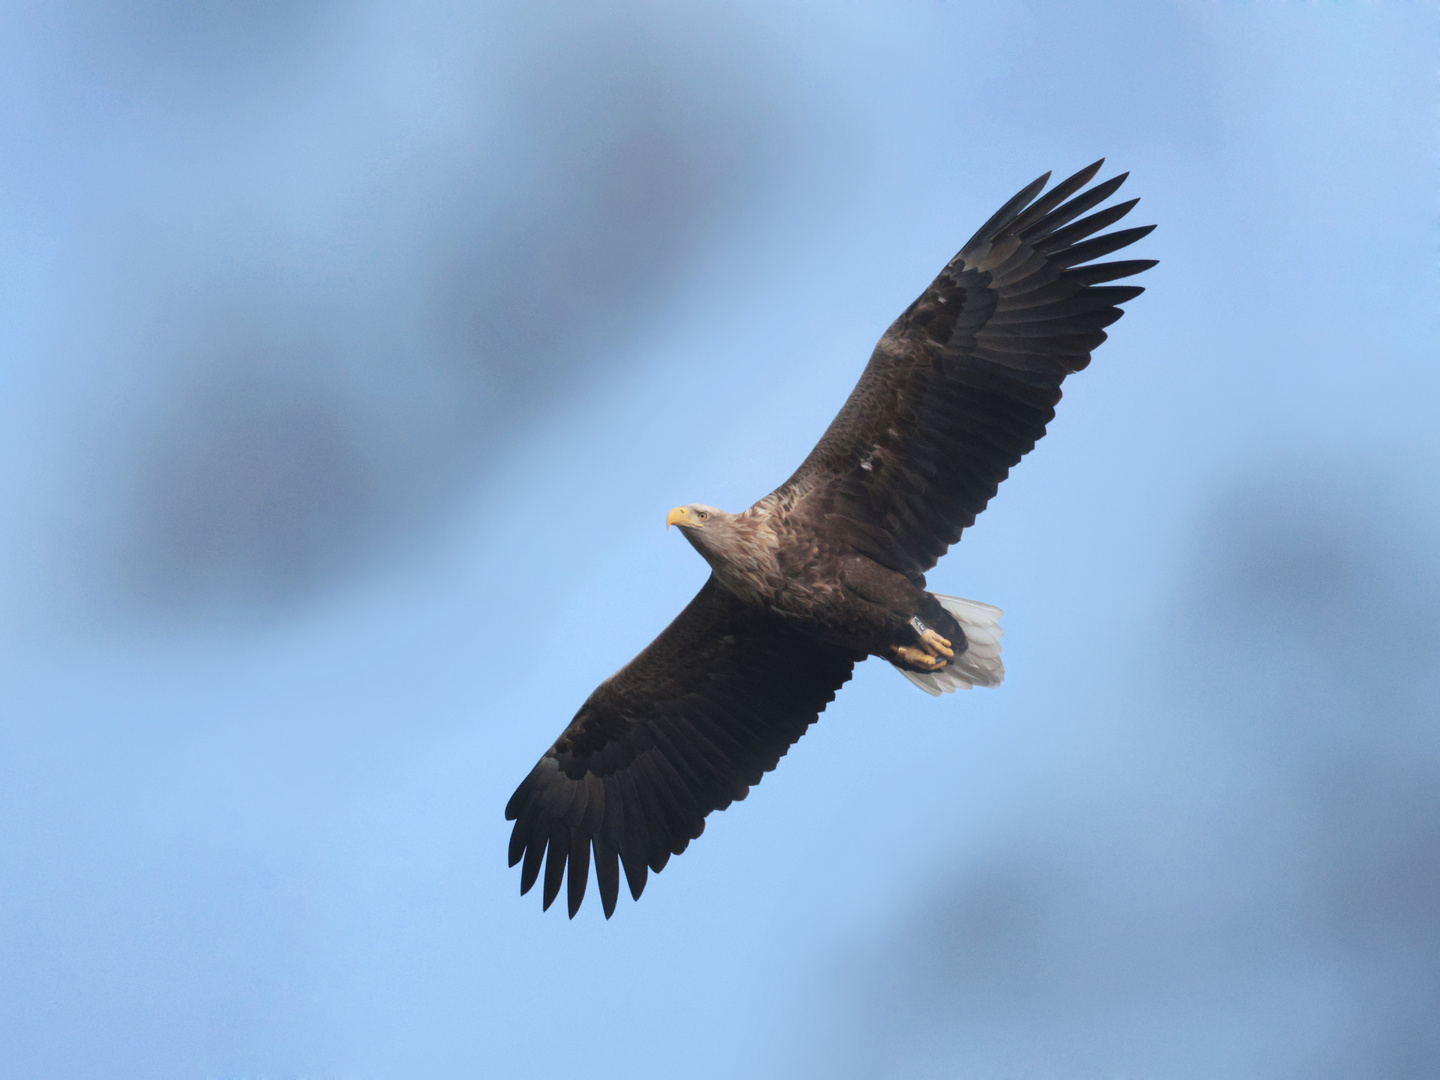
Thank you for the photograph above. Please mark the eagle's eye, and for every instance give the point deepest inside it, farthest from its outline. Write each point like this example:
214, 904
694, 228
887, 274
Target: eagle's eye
703, 515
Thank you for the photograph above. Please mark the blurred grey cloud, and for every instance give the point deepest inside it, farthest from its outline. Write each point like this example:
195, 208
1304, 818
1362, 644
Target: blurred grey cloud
255, 485
618, 161
341, 311
186, 48
1250, 885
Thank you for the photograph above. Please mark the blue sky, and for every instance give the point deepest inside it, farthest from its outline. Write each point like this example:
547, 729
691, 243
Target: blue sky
352, 355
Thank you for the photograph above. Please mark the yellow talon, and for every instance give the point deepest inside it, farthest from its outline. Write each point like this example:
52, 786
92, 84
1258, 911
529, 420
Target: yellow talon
936, 645
919, 658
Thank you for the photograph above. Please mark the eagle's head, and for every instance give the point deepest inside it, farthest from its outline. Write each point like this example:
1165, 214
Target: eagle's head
733, 544
710, 531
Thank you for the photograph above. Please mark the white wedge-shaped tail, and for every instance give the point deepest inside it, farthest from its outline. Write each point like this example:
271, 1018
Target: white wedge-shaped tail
979, 664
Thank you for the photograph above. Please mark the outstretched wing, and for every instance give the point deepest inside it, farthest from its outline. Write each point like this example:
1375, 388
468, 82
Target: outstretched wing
685, 728
964, 382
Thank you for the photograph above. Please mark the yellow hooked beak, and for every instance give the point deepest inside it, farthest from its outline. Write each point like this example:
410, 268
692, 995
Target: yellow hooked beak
679, 516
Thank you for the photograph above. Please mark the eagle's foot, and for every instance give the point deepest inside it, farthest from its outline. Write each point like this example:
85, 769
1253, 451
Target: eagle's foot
915, 657
936, 645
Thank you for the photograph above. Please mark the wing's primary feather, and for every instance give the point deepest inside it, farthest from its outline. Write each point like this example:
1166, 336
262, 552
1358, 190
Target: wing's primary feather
683, 729
963, 384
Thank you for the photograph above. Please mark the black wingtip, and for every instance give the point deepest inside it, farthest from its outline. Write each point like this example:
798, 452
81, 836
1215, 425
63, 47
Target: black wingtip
1078, 230
1083, 176
636, 874
555, 865
534, 852
1057, 212
1097, 273
1054, 197
1100, 245
1016, 203
579, 871
517, 844
607, 875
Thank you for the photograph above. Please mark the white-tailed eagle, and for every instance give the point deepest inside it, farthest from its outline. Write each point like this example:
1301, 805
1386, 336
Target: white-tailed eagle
829, 568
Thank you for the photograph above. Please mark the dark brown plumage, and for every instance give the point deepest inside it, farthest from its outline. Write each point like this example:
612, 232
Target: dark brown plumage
829, 568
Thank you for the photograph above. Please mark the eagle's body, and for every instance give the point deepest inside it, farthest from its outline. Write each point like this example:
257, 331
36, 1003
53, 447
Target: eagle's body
773, 558
830, 567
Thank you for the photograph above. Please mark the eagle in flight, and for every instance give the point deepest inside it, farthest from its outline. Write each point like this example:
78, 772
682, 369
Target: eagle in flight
829, 568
